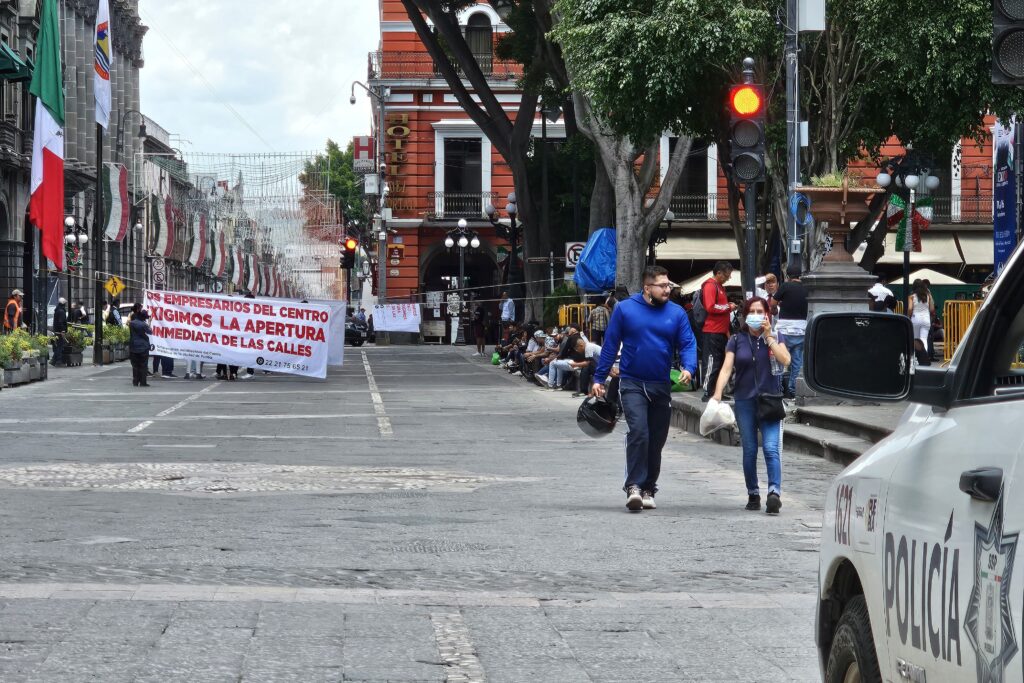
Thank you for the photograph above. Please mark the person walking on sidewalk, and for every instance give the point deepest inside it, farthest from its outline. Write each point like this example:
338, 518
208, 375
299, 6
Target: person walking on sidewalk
750, 353
649, 329
716, 327
138, 346
791, 326
599, 321
508, 312
60, 329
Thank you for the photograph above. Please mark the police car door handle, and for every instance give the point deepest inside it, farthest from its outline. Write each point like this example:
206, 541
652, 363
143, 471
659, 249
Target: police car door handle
982, 484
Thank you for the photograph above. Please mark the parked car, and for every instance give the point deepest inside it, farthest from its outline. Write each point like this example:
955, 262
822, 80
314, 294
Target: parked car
356, 331
920, 534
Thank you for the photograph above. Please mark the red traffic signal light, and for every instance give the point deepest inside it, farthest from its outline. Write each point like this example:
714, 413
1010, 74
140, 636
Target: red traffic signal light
351, 244
746, 101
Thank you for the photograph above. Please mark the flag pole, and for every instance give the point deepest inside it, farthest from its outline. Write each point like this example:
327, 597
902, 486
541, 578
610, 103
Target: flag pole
97, 252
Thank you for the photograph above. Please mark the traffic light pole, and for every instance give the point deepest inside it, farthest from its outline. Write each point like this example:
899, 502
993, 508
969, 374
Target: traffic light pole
793, 129
749, 273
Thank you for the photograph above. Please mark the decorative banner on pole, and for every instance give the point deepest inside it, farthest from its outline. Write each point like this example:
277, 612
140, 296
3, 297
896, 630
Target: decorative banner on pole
115, 200
284, 337
896, 213
198, 252
396, 318
1004, 195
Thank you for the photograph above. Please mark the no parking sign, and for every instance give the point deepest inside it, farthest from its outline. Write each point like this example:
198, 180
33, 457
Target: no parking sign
572, 253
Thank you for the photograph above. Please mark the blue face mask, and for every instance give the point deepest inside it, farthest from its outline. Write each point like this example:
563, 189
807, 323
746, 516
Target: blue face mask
754, 321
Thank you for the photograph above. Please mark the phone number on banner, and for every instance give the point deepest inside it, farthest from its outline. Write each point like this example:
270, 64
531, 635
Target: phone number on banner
263, 363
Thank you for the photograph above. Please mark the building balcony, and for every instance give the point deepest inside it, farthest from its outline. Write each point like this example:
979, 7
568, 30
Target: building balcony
946, 210
452, 205
420, 66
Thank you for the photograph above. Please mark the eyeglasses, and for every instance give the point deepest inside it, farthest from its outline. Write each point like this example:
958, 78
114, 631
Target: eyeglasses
667, 285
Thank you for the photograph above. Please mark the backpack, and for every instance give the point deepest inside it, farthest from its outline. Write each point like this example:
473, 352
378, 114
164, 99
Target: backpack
700, 314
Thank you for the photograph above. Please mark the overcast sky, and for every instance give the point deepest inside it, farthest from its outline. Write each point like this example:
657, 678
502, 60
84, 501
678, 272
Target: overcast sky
285, 67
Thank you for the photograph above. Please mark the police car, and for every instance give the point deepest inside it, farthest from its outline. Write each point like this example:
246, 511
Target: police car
921, 534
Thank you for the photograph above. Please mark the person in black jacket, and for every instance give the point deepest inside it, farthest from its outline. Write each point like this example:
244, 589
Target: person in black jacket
138, 346
60, 327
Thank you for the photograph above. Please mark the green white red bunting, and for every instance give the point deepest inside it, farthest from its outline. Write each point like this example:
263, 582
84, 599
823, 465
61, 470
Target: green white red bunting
896, 217
115, 200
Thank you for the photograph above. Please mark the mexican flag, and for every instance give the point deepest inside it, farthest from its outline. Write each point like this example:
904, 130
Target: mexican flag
46, 206
115, 201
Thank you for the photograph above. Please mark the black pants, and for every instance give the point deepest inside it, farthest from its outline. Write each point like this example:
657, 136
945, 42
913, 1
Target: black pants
163, 365
58, 348
140, 365
586, 378
714, 354
647, 407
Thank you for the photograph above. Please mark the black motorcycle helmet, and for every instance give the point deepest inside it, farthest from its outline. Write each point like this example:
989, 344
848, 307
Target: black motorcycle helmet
596, 417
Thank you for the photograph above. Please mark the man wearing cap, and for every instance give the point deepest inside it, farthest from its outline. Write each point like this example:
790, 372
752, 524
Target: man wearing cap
60, 327
12, 312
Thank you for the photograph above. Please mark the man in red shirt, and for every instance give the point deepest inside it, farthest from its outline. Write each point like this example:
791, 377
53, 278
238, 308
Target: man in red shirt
716, 326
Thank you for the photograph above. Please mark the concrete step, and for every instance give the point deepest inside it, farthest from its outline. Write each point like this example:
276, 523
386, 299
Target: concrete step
825, 443
849, 423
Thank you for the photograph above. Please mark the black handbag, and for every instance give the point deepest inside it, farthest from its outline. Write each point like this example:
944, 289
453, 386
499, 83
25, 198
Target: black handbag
769, 406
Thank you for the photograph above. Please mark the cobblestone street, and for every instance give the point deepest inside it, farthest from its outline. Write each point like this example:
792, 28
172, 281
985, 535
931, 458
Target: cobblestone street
419, 516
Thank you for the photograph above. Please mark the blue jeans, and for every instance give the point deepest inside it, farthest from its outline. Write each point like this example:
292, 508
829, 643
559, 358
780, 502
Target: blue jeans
647, 407
746, 418
560, 369
795, 345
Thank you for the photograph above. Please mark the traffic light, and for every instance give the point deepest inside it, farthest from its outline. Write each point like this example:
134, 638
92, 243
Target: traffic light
348, 252
746, 133
1007, 42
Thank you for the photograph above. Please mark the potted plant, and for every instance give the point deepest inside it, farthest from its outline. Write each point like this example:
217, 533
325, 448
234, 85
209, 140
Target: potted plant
74, 341
839, 200
10, 350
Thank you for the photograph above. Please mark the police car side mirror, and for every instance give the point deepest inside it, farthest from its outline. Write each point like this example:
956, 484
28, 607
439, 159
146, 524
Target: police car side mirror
863, 356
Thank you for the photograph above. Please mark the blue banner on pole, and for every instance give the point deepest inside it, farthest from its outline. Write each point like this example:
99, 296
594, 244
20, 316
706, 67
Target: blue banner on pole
1004, 199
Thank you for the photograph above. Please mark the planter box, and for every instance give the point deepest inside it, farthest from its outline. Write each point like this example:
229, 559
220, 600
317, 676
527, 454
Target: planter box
839, 205
34, 372
108, 356
121, 352
72, 358
16, 375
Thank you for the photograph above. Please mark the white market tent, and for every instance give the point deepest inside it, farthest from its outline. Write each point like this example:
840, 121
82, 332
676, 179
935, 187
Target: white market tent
693, 283
933, 276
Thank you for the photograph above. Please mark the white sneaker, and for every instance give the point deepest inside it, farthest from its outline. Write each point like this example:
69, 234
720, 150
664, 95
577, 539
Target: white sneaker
648, 500
476, 354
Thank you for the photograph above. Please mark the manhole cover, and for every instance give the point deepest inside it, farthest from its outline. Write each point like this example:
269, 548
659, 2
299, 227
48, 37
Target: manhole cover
220, 478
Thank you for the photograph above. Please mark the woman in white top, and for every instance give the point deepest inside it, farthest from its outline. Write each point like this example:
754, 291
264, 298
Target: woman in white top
921, 307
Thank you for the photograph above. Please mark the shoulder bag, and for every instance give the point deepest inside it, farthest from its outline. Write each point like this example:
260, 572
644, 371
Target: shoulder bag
769, 405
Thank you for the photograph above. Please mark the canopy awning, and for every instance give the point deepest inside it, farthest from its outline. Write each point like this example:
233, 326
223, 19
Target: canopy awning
933, 276
694, 283
696, 246
13, 67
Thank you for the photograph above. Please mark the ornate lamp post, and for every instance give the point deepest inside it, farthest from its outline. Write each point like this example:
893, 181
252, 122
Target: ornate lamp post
510, 232
75, 239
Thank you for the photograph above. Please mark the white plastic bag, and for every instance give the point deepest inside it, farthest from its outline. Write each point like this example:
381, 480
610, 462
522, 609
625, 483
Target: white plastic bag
716, 415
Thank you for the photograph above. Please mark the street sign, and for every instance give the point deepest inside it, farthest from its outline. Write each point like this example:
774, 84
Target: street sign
362, 154
395, 261
572, 253
396, 251
537, 259
114, 285
158, 264
217, 287
393, 272
158, 277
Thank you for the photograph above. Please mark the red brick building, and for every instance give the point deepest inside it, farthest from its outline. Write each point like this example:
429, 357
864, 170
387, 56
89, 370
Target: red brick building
441, 167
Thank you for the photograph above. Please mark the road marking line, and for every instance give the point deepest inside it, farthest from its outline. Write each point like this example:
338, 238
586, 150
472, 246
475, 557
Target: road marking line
456, 649
178, 445
383, 421
185, 402
139, 427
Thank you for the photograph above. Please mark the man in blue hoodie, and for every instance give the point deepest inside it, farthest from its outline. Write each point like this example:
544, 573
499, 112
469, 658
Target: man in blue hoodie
649, 329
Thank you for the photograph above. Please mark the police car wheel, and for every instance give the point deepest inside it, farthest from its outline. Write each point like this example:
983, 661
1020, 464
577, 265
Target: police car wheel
852, 658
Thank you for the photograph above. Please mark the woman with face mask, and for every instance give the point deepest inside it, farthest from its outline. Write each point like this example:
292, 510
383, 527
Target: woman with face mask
750, 353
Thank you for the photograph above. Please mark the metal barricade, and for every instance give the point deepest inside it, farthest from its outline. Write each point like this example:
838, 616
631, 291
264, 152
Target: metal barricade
574, 314
957, 316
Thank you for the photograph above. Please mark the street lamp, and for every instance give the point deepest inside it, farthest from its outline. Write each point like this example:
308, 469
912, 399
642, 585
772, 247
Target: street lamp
908, 172
120, 132
76, 238
509, 232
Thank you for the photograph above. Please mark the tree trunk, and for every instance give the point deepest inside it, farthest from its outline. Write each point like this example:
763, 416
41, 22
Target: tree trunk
602, 198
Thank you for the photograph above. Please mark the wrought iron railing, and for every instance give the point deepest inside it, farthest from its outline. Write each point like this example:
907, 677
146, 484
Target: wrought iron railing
698, 207
417, 65
460, 204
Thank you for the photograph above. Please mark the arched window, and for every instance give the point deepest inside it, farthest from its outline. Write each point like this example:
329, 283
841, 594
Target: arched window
479, 39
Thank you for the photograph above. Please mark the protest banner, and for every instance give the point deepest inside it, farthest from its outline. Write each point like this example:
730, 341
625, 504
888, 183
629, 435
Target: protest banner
396, 318
278, 336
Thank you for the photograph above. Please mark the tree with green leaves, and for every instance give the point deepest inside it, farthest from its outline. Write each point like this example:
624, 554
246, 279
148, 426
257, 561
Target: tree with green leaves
342, 183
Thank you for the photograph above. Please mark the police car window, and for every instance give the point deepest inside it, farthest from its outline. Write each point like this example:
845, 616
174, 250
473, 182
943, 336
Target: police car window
1008, 359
